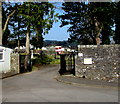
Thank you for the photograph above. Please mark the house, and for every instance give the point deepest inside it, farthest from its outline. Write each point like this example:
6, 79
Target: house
59, 49
5, 59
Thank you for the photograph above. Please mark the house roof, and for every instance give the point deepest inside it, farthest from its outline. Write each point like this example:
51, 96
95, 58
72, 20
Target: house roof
5, 48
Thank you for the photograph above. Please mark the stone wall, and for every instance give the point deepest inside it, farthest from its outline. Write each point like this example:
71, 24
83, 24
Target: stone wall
105, 64
14, 66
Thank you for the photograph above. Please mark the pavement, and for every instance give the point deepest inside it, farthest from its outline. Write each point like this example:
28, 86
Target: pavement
71, 79
41, 86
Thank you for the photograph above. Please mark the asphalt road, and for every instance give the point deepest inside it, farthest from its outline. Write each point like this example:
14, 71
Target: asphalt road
41, 86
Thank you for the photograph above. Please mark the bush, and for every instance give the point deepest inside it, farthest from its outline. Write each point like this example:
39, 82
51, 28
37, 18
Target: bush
42, 59
55, 61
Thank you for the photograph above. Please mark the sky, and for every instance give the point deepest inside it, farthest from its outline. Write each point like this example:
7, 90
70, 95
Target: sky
57, 33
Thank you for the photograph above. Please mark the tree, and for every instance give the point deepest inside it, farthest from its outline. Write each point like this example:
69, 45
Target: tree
42, 21
25, 11
29, 18
117, 23
39, 17
4, 26
87, 21
18, 27
0, 23
104, 12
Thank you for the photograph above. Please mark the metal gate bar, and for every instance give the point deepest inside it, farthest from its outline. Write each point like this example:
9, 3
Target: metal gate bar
22, 61
67, 63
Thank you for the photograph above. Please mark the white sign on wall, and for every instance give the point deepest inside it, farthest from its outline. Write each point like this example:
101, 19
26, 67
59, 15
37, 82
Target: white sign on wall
87, 60
80, 54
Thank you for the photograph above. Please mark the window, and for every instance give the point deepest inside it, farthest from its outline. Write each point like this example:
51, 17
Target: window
1, 54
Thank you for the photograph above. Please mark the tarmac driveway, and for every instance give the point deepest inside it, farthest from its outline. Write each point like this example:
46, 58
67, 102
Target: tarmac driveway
41, 86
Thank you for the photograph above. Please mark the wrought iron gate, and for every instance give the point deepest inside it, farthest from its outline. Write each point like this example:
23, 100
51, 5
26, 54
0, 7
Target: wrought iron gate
67, 63
22, 63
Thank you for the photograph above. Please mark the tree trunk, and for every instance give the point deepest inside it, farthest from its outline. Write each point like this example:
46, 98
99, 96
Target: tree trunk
27, 58
97, 40
28, 41
18, 43
98, 29
27, 49
18, 39
37, 35
6, 23
0, 23
105, 36
93, 38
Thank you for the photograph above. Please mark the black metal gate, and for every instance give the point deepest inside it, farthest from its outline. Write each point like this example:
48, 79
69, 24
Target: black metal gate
67, 63
22, 63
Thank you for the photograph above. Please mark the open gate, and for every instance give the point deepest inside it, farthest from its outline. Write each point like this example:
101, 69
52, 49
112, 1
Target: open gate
22, 63
67, 63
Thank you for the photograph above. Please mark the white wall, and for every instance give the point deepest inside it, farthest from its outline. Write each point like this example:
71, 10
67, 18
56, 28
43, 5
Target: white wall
5, 63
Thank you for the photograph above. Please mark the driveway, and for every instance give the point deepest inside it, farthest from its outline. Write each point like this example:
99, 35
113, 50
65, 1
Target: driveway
41, 86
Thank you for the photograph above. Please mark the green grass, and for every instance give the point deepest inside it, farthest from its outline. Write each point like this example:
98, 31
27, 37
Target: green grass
34, 68
55, 61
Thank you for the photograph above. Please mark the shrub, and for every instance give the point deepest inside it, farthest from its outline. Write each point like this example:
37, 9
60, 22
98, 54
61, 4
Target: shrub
42, 59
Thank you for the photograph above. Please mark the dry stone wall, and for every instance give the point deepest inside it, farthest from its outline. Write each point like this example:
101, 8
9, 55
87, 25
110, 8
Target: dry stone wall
100, 62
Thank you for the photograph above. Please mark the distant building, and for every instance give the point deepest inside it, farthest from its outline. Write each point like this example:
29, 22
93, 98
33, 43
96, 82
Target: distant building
59, 49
